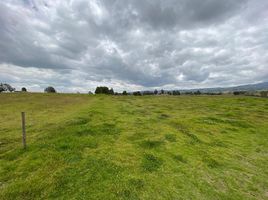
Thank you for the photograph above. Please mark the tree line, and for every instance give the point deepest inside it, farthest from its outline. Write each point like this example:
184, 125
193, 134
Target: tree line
4, 87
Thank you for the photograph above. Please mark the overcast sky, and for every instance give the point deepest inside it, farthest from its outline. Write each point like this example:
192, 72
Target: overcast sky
76, 45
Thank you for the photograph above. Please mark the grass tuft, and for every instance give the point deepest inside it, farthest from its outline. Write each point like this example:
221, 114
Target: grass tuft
180, 158
151, 163
150, 144
170, 137
212, 163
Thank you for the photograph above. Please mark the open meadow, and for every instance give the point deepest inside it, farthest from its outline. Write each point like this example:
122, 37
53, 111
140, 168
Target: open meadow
128, 147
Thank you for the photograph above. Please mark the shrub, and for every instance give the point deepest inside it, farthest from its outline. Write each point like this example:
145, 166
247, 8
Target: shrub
23, 89
50, 89
124, 93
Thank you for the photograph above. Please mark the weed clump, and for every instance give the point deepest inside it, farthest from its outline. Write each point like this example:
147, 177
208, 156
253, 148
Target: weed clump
150, 144
163, 116
212, 163
136, 183
179, 158
170, 137
151, 163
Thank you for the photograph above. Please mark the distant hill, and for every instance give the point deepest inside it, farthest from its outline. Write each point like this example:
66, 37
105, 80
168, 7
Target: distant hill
249, 87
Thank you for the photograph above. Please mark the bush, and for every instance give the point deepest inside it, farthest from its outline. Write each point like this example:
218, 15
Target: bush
124, 93
23, 89
50, 89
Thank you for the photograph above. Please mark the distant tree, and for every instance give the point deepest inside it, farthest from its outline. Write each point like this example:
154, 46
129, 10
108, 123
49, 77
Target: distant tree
264, 93
50, 89
162, 91
239, 92
138, 93
155, 92
213, 93
111, 91
23, 89
169, 93
2, 88
189, 93
176, 92
197, 92
124, 93
89, 92
102, 90
6, 87
148, 92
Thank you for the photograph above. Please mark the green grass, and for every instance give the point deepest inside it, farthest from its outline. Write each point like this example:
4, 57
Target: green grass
126, 147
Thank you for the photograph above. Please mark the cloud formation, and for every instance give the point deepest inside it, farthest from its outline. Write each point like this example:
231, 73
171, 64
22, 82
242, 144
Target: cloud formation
130, 44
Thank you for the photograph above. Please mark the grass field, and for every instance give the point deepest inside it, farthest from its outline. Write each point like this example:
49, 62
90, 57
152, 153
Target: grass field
126, 147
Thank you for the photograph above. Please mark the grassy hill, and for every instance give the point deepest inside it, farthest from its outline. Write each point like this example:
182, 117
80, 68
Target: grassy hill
126, 147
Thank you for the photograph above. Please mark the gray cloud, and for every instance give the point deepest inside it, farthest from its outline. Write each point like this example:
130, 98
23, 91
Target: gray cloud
127, 44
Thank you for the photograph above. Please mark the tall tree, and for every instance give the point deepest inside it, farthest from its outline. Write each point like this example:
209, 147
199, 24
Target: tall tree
6, 87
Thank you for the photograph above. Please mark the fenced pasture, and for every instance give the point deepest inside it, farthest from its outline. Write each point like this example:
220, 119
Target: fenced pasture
132, 147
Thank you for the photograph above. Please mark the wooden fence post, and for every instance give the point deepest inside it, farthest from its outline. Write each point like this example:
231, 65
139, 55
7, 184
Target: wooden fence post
23, 129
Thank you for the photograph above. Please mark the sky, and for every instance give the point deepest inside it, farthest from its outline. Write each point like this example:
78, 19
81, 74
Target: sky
76, 45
